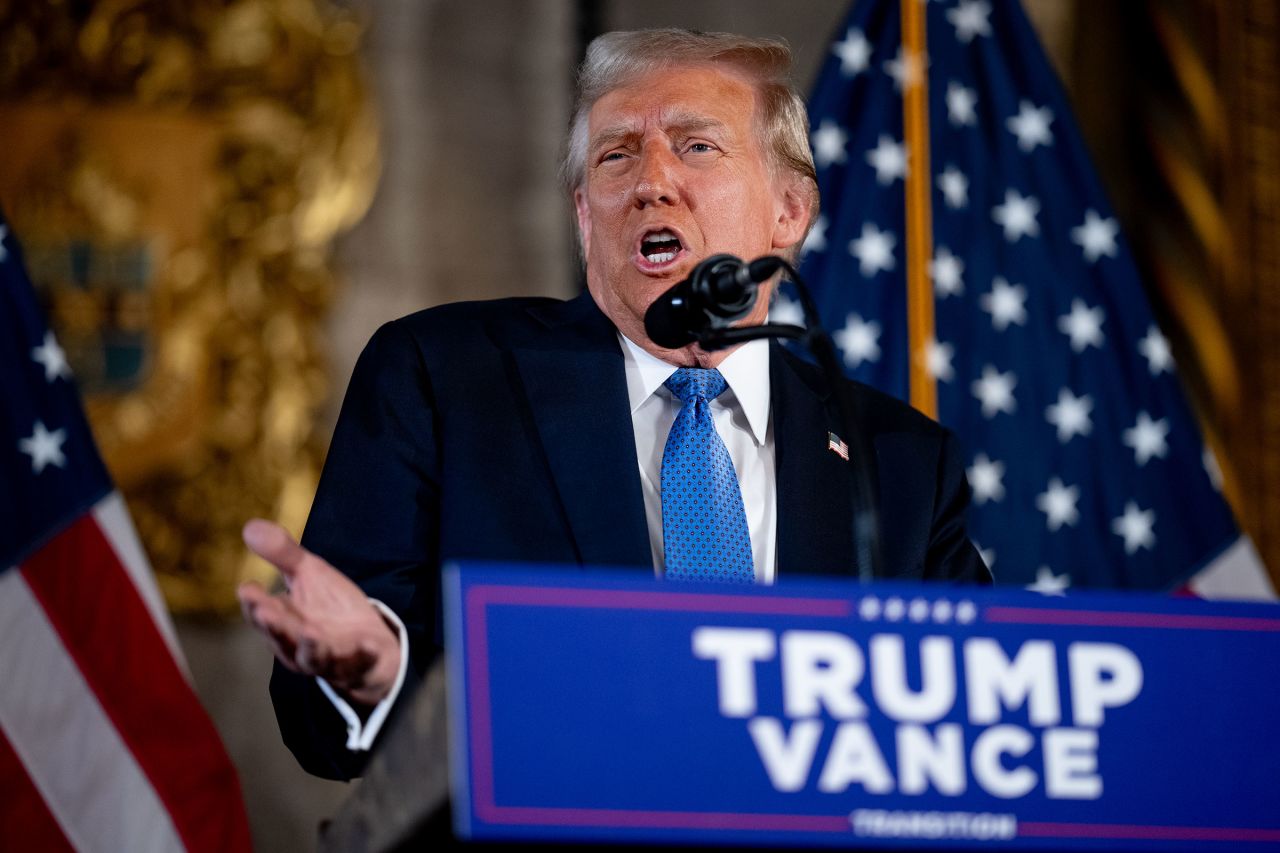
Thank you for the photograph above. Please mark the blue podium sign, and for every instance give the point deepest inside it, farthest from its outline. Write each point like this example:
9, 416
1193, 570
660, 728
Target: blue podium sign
613, 707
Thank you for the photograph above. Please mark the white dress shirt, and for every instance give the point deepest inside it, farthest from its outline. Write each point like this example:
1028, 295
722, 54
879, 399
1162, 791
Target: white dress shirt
742, 418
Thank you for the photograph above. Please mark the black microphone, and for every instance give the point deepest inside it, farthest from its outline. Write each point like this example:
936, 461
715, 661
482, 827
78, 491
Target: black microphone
719, 290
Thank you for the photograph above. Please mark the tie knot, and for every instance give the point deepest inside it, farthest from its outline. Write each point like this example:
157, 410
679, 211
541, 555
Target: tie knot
693, 383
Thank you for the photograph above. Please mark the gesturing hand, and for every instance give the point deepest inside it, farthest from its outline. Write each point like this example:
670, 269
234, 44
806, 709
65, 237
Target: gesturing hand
322, 623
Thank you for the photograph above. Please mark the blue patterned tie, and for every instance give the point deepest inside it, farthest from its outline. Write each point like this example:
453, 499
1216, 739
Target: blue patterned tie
704, 526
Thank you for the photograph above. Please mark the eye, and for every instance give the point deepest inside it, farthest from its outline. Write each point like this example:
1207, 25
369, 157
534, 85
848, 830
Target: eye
699, 148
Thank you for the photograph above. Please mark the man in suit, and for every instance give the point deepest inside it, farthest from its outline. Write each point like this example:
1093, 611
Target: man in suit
558, 432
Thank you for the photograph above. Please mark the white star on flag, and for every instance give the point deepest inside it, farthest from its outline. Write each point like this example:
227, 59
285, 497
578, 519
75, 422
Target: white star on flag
969, 17
1083, 325
1017, 215
954, 187
1147, 438
1096, 236
961, 103
1136, 527
937, 360
873, 249
947, 272
1006, 303
858, 340
995, 391
854, 53
1070, 415
44, 447
889, 159
784, 310
1058, 503
986, 479
52, 358
905, 69
828, 144
1031, 126
1047, 583
816, 241
1155, 349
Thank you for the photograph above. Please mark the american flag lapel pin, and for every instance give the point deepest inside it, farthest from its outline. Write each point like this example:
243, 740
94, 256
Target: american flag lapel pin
837, 446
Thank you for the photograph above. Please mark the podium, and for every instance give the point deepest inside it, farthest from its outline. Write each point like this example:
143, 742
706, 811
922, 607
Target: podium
594, 707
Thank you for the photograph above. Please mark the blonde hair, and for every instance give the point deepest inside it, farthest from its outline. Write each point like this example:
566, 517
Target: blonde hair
615, 59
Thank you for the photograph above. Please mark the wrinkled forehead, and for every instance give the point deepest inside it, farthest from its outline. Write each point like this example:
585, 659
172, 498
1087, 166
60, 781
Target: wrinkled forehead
687, 98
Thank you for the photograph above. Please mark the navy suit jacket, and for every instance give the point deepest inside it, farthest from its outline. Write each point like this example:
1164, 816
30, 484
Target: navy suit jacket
502, 431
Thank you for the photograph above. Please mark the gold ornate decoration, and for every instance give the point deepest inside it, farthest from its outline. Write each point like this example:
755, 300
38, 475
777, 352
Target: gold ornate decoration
177, 172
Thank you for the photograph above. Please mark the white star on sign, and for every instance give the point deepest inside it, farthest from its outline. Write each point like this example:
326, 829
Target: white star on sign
942, 610
816, 241
1006, 303
905, 69
995, 391
947, 272
1047, 583
889, 159
1070, 415
1136, 526
918, 610
51, 356
894, 609
1017, 215
1083, 325
966, 612
986, 479
969, 17
784, 310
1058, 503
1096, 236
1147, 438
955, 187
854, 53
1155, 349
44, 447
1031, 126
869, 608
937, 360
873, 249
828, 144
859, 341
961, 103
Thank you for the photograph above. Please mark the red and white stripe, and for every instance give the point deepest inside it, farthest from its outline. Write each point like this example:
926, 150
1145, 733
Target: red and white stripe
103, 743
1236, 574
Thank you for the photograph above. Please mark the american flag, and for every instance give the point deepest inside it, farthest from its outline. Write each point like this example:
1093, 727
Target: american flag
1086, 466
103, 744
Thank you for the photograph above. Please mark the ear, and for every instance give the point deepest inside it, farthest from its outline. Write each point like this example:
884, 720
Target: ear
795, 203
584, 220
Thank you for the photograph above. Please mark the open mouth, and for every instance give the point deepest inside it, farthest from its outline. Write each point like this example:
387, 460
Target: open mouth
659, 248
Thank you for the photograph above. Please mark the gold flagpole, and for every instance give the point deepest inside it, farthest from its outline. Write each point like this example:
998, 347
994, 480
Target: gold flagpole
915, 122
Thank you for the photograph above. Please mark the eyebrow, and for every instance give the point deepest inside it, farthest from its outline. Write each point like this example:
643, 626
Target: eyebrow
683, 122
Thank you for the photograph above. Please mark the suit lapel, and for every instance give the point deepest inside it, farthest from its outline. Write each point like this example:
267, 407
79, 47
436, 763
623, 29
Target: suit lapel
573, 378
814, 532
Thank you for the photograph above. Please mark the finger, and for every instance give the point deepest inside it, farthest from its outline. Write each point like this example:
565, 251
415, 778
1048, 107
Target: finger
250, 594
351, 671
273, 543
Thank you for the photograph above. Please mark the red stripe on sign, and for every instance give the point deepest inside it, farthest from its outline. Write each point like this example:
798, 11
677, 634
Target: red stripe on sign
95, 608
24, 814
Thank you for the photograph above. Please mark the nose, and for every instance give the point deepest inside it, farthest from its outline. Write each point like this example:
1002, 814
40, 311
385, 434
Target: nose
657, 181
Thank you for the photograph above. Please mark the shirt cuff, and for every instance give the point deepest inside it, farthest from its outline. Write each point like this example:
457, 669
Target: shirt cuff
360, 735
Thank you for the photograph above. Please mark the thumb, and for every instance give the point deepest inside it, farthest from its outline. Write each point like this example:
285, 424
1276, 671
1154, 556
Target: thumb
273, 543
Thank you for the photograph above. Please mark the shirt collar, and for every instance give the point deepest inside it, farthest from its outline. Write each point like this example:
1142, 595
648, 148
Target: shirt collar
746, 370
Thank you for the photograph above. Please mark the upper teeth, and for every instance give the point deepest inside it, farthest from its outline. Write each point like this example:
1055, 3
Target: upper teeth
659, 236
